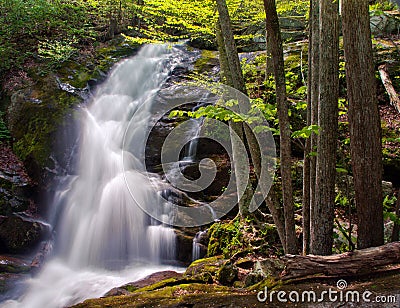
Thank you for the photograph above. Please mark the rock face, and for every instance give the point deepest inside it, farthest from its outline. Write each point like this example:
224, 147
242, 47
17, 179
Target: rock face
19, 231
15, 185
184, 241
18, 235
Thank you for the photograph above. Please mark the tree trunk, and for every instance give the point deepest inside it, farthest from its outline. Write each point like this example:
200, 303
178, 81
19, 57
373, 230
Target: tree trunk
349, 264
223, 58
275, 40
323, 210
230, 47
231, 73
364, 123
136, 20
396, 227
224, 34
312, 119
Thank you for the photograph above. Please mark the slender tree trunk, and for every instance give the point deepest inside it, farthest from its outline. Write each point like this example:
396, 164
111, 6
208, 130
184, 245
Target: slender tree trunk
275, 40
223, 58
364, 122
312, 119
323, 210
396, 227
232, 74
314, 98
230, 47
136, 20
224, 34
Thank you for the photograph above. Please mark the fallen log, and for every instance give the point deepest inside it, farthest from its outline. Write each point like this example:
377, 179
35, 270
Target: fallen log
350, 264
387, 82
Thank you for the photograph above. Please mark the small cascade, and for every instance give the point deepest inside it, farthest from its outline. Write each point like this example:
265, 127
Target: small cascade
193, 133
198, 247
214, 215
162, 242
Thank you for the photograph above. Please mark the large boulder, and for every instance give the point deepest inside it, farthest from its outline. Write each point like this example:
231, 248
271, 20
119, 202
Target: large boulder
206, 270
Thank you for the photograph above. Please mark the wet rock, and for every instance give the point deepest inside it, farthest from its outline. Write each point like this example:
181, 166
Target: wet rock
19, 235
16, 189
204, 42
184, 242
13, 265
44, 251
222, 176
82, 93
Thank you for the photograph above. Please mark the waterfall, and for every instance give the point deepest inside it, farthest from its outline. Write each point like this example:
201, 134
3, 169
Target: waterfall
198, 248
103, 238
194, 132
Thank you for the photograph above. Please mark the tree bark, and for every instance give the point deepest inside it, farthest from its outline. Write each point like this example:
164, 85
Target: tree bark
235, 69
349, 264
323, 210
226, 45
393, 96
396, 227
364, 123
231, 73
312, 119
275, 40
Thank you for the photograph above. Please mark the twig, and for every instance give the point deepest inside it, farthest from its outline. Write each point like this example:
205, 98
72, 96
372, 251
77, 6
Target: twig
347, 236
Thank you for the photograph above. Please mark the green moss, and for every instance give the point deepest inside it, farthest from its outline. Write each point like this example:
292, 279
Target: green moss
205, 269
165, 297
159, 285
207, 58
226, 239
35, 124
270, 283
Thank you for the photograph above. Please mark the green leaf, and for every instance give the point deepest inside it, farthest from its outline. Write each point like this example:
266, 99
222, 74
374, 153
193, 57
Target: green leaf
341, 170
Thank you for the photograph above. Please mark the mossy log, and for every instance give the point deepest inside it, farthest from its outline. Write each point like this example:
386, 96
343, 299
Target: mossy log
351, 264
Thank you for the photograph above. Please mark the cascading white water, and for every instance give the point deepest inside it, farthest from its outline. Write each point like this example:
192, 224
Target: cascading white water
191, 152
197, 248
103, 237
106, 228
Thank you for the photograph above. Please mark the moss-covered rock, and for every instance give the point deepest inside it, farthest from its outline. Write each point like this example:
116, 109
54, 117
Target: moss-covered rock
205, 269
182, 295
225, 238
227, 274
